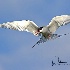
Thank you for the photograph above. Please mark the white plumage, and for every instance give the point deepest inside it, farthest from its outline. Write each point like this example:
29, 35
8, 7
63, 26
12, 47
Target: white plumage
58, 21
46, 32
24, 25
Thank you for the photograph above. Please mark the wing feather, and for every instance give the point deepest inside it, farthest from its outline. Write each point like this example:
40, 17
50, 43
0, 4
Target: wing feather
57, 22
23, 25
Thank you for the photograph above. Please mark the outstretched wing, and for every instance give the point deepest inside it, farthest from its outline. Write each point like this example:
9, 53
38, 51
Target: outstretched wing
24, 25
57, 22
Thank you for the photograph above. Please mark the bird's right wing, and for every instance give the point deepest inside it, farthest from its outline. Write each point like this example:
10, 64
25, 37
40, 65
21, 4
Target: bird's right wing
57, 22
24, 25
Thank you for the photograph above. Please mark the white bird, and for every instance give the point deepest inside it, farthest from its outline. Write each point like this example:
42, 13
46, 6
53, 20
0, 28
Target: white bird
46, 32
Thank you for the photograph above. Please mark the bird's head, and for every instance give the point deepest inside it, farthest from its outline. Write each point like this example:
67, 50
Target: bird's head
38, 32
40, 29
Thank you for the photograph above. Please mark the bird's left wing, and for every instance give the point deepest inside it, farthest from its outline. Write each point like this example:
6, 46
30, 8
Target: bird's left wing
57, 22
24, 25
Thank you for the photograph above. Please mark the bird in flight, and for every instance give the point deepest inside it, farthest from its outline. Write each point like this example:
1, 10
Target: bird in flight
45, 32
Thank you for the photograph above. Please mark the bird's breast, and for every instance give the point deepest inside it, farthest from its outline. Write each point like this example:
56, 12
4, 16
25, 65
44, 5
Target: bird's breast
46, 35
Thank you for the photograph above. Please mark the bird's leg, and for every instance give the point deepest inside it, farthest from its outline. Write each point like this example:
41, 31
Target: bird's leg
49, 36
